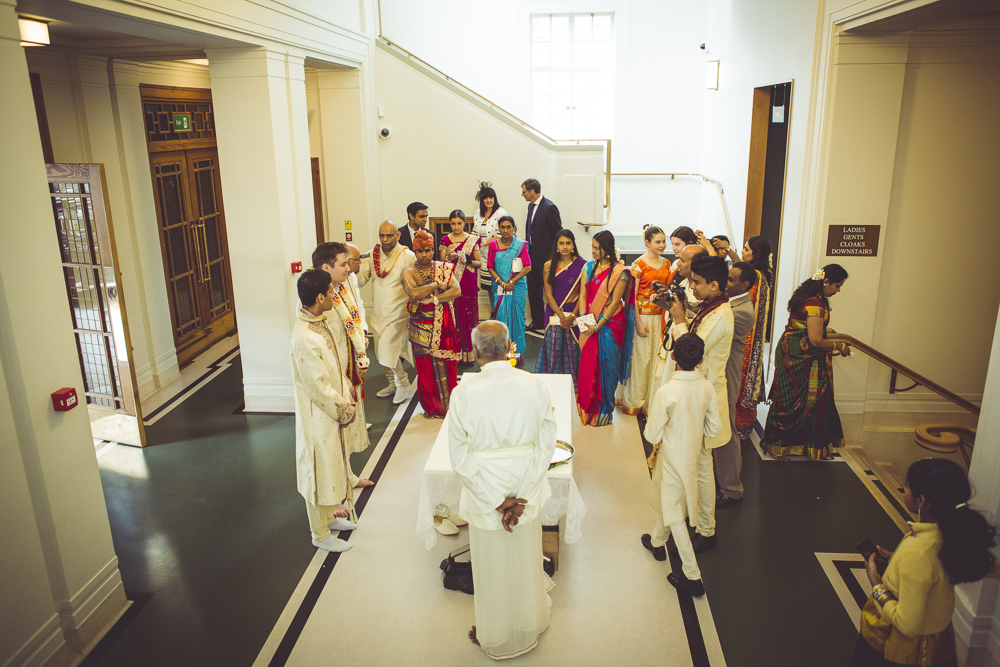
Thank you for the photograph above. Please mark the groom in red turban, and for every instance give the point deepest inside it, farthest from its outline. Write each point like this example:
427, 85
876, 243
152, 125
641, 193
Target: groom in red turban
432, 287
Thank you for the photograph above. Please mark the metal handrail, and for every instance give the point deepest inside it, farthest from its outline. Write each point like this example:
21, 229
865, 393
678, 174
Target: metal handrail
718, 187
512, 117
900, 368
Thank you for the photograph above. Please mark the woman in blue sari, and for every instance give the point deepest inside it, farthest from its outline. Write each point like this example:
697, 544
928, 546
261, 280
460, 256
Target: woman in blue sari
508, 263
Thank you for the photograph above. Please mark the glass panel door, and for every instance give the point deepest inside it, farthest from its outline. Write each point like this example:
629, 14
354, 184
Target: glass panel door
195, 250
93, 287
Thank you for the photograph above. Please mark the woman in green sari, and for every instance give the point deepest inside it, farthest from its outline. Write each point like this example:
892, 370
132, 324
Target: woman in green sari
803, 419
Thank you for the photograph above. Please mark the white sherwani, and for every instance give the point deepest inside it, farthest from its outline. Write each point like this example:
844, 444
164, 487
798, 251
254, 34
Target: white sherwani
504, 452
356, 433
323, 404
717, 332
683, 414
355, 290
389, 316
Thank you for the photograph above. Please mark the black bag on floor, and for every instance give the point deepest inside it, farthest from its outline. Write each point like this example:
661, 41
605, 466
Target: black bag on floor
457, 574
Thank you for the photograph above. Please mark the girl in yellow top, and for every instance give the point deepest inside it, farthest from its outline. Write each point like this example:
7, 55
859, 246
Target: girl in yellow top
648, 320
907, 620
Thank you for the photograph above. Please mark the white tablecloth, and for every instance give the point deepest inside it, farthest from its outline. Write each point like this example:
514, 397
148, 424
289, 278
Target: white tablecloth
441, 489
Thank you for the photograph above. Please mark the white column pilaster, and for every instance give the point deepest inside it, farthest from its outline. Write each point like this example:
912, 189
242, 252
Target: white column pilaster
263, 138
139, 229
62, 580
866, 106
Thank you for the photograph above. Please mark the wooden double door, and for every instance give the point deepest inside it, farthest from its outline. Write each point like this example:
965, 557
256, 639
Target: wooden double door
192, 224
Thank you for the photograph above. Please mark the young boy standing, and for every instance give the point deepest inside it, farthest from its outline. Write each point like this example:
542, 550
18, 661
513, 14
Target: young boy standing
683, 413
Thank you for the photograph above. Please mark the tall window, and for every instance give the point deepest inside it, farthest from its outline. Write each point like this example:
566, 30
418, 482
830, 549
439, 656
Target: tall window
572, 75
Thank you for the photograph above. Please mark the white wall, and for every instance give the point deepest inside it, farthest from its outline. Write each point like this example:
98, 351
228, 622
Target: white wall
942, 222
659, 85
442, 145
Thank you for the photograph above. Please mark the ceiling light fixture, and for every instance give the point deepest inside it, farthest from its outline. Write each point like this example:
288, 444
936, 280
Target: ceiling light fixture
33, 32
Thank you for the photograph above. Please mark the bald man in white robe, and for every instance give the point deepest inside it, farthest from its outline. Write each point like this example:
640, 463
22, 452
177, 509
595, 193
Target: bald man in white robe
502, 456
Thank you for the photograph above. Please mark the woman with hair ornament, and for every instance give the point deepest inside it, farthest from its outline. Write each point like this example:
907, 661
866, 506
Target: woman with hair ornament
803, 419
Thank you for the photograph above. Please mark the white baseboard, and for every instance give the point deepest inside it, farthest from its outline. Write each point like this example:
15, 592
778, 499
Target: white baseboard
922, 402
40, 647
979, 634
272, 395
849, 403
145, 380
74, 612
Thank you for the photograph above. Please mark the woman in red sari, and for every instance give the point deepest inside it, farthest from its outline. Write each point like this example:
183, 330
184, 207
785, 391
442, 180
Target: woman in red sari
462, 250
604, 348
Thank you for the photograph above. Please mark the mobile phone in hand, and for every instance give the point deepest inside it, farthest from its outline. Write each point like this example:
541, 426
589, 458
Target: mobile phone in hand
866, 549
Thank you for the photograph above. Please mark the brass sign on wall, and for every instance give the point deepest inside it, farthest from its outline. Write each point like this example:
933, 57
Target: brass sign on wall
853, 240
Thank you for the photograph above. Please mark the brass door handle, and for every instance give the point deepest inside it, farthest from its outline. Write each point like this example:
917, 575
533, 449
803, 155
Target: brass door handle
197, 251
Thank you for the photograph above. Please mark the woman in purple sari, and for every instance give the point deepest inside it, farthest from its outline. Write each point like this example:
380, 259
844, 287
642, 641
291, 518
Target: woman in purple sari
561, 348
462, 250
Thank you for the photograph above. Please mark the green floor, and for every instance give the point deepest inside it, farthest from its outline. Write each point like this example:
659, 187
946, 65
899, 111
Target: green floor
212, 539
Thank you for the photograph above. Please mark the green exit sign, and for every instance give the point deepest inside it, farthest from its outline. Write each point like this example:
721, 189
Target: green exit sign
182, 122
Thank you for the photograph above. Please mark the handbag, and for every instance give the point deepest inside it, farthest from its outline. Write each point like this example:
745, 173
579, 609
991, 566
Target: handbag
458, 574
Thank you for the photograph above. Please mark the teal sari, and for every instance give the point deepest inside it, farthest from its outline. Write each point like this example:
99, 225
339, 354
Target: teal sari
509, 309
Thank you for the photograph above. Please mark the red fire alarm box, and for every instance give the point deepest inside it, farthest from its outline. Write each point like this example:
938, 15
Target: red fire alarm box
296, 267
64, 400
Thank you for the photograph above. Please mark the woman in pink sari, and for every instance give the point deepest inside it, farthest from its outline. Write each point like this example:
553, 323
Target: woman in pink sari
462, 250
605, 356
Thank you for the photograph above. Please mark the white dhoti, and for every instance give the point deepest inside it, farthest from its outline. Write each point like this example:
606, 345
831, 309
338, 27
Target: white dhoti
392, 343
490, 453
512, 601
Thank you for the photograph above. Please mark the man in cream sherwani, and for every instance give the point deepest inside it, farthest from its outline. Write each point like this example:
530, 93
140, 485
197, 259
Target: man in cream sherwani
502, 456
326, 405
713, 322
346, 323
389, 320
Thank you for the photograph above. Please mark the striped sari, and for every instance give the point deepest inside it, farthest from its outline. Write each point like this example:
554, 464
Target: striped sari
560, 351
752, 388
803, 420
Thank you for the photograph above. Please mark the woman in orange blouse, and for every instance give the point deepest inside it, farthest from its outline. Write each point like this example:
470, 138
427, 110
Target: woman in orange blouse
648, 320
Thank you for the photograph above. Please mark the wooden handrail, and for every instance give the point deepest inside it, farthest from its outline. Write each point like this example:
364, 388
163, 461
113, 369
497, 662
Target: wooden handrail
900, 368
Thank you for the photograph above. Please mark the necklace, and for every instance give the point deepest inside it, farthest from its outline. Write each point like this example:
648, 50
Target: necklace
428, 279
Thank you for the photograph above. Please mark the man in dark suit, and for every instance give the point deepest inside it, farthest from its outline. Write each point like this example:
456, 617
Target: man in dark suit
417, 213
540, 229
729, 457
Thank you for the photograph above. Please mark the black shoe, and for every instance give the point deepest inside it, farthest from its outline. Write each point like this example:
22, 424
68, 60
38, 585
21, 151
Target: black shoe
702, 543
659, 553
685, 585
722, 501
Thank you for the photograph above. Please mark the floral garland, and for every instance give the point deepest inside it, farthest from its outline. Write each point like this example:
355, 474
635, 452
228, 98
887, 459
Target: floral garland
351, 316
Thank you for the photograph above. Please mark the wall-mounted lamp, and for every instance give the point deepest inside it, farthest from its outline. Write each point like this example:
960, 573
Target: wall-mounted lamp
33, 32
712, 80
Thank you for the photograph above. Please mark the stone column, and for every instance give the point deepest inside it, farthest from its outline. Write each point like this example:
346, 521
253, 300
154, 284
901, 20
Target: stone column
137, 231
61, 586
262, 130
977, 605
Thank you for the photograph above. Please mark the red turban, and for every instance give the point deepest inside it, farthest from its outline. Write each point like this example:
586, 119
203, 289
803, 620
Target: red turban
423, 239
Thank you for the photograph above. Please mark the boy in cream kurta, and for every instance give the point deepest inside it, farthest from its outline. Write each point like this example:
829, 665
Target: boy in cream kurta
713, 322
389, 319
326, 405
683, 414
502, 456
